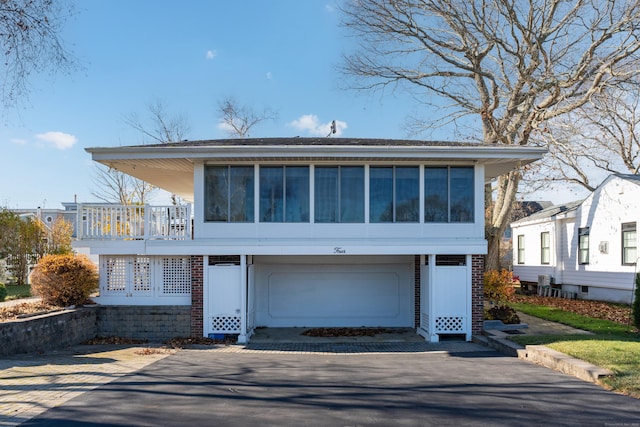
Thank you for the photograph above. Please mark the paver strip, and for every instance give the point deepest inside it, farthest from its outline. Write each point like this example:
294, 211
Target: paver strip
32, 384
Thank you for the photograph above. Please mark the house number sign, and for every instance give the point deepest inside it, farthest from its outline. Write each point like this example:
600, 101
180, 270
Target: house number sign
339, 250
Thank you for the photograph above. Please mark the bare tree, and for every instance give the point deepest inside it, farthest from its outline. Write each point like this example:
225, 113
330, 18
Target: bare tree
598, 139
114, 186
238, 120
30, 41
160, 126
505, 67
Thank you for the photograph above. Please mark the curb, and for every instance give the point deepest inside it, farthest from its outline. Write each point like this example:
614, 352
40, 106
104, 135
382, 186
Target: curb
543, 356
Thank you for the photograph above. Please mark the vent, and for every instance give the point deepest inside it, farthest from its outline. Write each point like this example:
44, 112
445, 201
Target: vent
451, 260
224, 259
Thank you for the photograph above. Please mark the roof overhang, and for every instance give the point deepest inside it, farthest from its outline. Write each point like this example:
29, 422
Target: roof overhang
171, 166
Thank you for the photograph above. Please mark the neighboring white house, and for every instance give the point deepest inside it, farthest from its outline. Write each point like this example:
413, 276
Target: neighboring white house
588, 247
303, 232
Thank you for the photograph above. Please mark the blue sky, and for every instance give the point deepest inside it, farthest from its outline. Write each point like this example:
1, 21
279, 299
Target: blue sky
281, 54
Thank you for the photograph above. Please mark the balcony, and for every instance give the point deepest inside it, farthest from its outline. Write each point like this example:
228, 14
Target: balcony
129, 222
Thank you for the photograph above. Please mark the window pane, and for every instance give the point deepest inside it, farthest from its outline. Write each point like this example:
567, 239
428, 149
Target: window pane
241, 194
381, 194
352, 194
583, 253
520, 249
436, 191
297, 194
326, 194
461, 194
407, 194
271, 201
629, 247
216, 182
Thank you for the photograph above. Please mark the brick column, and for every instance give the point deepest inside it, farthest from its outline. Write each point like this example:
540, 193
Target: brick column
477, 293
197, 290
416, 275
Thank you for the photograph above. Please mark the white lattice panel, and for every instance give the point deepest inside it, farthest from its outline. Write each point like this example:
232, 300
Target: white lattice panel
115, 274
225, 324
454, 324
142, 275
176, 276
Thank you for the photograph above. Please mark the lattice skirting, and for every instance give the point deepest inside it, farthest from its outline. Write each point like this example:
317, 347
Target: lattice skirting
453, 324
225, 324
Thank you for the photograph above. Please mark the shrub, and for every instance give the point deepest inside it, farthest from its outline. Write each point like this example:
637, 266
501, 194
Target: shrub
3, 291
64, 280
498, 286
502, 312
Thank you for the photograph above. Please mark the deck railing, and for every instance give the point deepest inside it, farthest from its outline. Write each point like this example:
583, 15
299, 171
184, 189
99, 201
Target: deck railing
130, 222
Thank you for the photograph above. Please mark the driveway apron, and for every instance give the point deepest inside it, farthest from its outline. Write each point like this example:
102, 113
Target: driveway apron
445, 384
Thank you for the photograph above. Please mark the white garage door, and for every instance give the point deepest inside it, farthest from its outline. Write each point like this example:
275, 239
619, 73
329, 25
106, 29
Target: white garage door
333, 295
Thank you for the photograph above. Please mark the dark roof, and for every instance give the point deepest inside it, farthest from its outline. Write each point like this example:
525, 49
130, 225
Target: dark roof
629, 177
298, 141
551, 211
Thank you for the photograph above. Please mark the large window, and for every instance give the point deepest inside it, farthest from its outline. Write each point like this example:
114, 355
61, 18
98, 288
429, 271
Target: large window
583, 245
394, 194
339, 194
521, 249
284, 194
545, 247
448, 194
229, 194
629, 244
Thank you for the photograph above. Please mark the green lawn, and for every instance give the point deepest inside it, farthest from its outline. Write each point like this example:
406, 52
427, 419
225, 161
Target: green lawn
16, 292
613, 346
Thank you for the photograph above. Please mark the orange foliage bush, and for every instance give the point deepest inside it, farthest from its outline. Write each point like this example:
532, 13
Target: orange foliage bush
498, 285
64, 280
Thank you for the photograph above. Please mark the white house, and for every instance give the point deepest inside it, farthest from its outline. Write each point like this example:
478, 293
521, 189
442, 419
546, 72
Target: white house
588, 247
303, 232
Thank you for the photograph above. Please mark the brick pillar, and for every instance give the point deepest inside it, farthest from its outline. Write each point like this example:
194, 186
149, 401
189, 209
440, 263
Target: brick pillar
197, 290
416, 275
477, 293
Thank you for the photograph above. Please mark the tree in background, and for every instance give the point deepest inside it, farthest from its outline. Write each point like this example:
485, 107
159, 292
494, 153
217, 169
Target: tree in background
113, 186
30, 42
237, 119
592, 142
23, 242
503, 69
60, 237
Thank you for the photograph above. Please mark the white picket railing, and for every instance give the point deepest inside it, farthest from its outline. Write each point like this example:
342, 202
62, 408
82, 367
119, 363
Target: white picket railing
129, 222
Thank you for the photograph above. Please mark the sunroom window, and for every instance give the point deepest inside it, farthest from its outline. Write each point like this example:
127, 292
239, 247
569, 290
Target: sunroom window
448, 194
229, 194
394, 194
284, 194
339, 194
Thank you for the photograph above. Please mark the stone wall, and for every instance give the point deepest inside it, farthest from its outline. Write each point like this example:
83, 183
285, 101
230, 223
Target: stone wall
47, 331
152, 323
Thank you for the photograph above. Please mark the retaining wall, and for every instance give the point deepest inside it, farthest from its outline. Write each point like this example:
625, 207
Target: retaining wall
71, 327
47, 331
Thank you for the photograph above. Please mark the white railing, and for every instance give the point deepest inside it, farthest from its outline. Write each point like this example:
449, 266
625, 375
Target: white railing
129, 222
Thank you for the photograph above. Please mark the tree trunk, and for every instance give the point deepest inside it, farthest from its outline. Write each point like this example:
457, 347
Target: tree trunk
499, 216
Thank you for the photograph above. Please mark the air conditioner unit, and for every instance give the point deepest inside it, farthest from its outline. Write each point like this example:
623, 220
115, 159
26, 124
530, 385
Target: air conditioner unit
544, 280
603, 247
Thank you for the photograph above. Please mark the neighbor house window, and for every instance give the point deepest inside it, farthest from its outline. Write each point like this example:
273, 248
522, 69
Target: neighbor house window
394, 194
629, 244
521, 249
583, 245
339, 194
284, 194
545, 248
448, 194
229, 194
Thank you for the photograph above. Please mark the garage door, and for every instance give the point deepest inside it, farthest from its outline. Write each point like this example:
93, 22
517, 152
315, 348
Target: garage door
334, 295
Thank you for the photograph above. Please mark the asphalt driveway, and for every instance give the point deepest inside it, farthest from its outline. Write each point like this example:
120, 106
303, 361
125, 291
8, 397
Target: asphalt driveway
461, 384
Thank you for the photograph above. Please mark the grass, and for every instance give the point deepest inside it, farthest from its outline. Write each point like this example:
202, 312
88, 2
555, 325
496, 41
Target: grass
613, 346
17, 291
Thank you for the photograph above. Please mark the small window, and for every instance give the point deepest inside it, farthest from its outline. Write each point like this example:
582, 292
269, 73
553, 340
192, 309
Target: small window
584, 289
583, 245
629, 244
229, 194
545, 248
394, 193
521, 249
284, 194
339, 194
